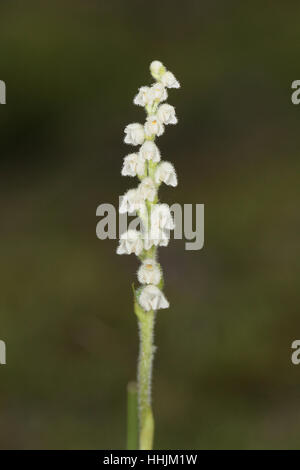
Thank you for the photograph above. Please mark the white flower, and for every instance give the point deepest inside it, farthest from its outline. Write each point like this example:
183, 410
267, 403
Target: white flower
159, 92
155, 239
143, 216
149, 151
168, 80
149, 272
166, 114
157, 69
161, 217
147, 189
134, 134
153, 126
145, 96
161, 222
133, 165
131, 201
165, 172
130, 242
152, 298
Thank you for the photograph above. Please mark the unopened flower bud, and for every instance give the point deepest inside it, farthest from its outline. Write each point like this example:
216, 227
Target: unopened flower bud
157, 69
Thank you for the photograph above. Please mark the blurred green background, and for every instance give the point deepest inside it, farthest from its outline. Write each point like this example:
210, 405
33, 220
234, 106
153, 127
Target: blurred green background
223, 376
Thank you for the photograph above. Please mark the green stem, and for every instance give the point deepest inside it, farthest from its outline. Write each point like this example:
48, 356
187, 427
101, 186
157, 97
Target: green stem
132, 417
146, 422
146, 327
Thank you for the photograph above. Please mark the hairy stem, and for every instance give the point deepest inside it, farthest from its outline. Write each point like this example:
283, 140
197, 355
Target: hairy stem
132, 417
146, 422
146, 327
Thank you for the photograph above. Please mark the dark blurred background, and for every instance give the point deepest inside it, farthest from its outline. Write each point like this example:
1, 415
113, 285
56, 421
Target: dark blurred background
223, 375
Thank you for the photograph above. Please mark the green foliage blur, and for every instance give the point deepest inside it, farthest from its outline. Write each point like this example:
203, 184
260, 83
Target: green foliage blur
223, 377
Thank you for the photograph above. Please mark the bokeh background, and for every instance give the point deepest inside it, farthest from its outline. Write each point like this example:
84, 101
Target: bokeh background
223, 375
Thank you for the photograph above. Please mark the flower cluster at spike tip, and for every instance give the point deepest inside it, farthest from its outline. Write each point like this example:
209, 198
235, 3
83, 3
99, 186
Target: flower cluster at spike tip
146, 164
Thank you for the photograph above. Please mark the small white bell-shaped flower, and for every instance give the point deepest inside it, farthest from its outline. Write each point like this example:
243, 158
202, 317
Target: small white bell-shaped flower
161, 217
135, 134
149, 272
131, 201
168, 80
161, 222
159, 92
166, 114
149, 151
152, 298
160, 238
165, 173
145, 96
147, 189
153, 126
133, 165
130, 242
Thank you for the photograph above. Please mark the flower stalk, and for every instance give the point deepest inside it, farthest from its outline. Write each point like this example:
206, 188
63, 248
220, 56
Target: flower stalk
146, 330
156, 222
